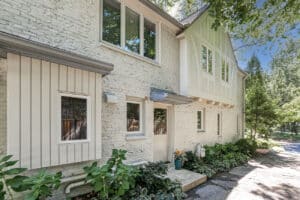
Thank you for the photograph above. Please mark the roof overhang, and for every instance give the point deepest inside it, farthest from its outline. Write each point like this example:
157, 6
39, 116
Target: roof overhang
168, 97
14, 44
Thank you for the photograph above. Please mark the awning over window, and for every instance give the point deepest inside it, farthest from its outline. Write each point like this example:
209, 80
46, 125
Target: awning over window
169, 97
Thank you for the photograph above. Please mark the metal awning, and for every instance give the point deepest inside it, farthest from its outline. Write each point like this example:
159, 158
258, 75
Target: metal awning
169, 97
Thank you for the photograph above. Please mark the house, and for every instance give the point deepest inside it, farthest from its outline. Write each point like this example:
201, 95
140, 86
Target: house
79, 78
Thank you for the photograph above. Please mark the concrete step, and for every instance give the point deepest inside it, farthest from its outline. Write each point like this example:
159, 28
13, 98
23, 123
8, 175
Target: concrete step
188, 179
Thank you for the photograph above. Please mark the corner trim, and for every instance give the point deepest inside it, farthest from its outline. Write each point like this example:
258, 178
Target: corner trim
22, 46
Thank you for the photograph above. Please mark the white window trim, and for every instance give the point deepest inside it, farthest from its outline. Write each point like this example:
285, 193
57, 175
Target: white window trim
202, 120
207, 60
123, 32
141, 118
88, 115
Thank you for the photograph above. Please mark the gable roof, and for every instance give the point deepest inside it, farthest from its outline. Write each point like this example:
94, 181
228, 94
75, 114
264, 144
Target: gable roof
194, 16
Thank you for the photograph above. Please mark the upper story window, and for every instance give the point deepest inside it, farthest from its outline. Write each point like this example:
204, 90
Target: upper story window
225, 71
74, 118
132, 39
207, 59
128, 30
111, 31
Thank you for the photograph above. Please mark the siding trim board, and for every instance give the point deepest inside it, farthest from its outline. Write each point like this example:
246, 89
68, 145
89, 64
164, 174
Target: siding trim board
25, 47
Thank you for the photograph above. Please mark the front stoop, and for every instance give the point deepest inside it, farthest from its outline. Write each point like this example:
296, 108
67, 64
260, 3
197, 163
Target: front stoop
188, 179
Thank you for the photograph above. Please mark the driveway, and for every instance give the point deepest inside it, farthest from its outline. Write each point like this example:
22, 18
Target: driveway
274, 176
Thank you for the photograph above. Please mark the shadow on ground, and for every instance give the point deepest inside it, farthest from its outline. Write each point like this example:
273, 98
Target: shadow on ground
281, 191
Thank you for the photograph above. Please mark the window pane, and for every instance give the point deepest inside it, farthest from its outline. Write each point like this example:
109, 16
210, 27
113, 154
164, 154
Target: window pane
132, 41
199, 120
227, 72
149, 39
204, 58
160, 121
73, 119
133, 117
210, 61
223, 70
111, 22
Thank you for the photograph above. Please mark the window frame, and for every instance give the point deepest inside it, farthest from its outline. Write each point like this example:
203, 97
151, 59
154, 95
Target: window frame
227, 71
206, 69
122, 46
202, 120
88, 116
140, 131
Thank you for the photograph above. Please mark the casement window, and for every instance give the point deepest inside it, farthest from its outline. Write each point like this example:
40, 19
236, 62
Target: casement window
225, 71
134, 117
219, 119
111, 30
200, 120
75, 118
207, 59
128, 29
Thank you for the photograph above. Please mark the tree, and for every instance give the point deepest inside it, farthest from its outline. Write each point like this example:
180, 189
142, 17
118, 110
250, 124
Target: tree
291, 113
260, 109
165, 4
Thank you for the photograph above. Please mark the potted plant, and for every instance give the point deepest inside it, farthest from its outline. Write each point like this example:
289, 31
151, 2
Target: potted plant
178, 159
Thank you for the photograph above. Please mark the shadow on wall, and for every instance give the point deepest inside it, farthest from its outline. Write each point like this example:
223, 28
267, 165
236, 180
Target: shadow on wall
281, 191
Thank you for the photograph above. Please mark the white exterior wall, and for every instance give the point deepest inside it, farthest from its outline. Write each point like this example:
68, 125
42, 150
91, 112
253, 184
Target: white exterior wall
74, 26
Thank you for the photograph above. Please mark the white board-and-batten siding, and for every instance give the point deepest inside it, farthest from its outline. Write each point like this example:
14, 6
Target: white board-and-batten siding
33, 118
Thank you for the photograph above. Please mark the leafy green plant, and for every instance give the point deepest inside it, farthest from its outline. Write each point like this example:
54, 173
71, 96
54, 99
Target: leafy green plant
42, 185
10, 178
114, 179
246, 146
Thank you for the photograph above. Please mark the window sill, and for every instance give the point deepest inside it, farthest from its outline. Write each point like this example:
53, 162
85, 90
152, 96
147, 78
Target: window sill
135, 136
128, 53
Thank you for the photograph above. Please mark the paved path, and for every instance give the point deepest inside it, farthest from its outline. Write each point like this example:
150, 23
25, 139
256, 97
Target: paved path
275, 176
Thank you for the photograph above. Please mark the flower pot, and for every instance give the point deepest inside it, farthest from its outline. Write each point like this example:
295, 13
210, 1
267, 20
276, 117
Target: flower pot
178, 164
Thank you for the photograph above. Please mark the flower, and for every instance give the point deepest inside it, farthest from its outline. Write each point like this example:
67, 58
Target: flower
178, 154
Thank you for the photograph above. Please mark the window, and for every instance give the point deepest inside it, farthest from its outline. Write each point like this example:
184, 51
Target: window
225, 71
134, 117
132, 38
74, 121
149, 39
126, 28
111, 31
207, 59
160, 121
219, 124
200, 120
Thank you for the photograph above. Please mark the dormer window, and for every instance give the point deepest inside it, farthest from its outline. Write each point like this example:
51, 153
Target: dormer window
128, 29
207, 59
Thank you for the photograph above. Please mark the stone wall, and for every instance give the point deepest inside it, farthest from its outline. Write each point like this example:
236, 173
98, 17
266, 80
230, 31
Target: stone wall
3, 70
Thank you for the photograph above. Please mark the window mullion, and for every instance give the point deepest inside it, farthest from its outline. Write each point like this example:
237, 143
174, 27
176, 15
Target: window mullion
123, 24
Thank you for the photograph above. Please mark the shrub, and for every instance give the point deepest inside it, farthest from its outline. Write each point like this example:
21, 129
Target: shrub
247, 146
114, 179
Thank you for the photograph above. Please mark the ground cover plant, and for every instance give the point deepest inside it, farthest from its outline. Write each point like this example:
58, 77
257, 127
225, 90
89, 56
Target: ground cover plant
220, 157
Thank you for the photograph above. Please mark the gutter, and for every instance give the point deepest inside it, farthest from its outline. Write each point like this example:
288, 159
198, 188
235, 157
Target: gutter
25, 47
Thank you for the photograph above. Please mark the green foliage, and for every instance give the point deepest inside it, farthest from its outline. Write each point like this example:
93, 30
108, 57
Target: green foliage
286, 136
10, 178
260, 109
220, 157
42, 185
114, 179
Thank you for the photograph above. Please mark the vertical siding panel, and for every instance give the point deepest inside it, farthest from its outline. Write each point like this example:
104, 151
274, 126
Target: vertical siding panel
54, 114
63, 70
36, 114
97, 107
85, 90
45, 114
13, 105
71, 79
92, 89
78, 89
25, 112
71, 153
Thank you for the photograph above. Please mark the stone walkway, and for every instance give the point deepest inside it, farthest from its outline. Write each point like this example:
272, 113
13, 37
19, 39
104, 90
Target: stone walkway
274, 176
